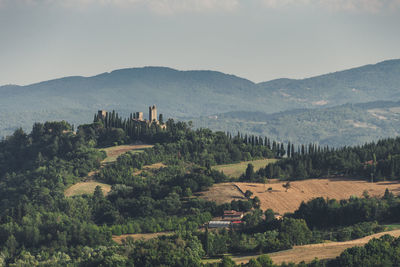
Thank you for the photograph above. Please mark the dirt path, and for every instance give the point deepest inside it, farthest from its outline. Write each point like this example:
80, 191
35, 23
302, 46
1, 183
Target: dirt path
321, 251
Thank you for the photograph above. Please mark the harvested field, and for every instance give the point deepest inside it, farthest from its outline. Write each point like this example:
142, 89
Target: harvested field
86, 188
115, 151
118, 238
237, 169
222, 193
281, 201
321, 251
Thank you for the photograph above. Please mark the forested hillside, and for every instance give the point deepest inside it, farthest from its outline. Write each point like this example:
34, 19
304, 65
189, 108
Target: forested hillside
40, 226
372, 161
189, 94
348, 124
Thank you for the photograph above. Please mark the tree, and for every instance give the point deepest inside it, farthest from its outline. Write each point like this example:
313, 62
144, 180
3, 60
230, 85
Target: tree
227, 262
388, 194
11, 244
287, 186
295, 231
248, 194
265, 261
254, 263
269, 215
98, 194
250, 172
256, 202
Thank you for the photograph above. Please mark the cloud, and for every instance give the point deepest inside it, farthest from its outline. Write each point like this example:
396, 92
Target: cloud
199, 6
157, 6
179, 6
372, 6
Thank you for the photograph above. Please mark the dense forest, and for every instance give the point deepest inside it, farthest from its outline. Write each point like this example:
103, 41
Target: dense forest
39, 226
373, 161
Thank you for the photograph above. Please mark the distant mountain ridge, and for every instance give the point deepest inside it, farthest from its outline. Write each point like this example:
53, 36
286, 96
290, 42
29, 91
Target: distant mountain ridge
181, 94
347, 124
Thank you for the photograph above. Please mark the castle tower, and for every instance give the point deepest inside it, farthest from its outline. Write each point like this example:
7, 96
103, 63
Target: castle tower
101, 114
139, 116
152, 113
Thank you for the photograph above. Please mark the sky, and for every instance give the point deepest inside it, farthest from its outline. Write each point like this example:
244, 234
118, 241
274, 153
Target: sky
259, 40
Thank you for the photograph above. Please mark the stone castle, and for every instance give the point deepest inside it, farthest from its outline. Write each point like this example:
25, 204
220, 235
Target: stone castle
138, 116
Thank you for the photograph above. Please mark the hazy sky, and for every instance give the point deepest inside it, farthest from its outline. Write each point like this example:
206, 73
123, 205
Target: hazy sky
255, 39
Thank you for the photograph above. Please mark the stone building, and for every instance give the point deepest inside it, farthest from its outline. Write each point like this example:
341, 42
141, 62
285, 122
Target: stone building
138, 116
102, 114
153, 113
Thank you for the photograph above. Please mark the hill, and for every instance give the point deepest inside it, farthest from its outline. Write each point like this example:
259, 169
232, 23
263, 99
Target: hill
182, 94
364, 84
347, 124
155, 190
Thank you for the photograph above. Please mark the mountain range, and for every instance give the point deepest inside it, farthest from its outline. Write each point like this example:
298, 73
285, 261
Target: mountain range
347, 124
191, 94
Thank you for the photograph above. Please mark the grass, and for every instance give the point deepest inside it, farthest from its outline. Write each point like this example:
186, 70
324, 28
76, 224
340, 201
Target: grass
390, 227
155, 166
115, 151
237, 169
82, 188
118, 238
215, 259
222, 193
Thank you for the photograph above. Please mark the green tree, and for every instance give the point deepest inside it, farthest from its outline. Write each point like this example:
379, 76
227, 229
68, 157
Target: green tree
248, 194
227, 262
250, 172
